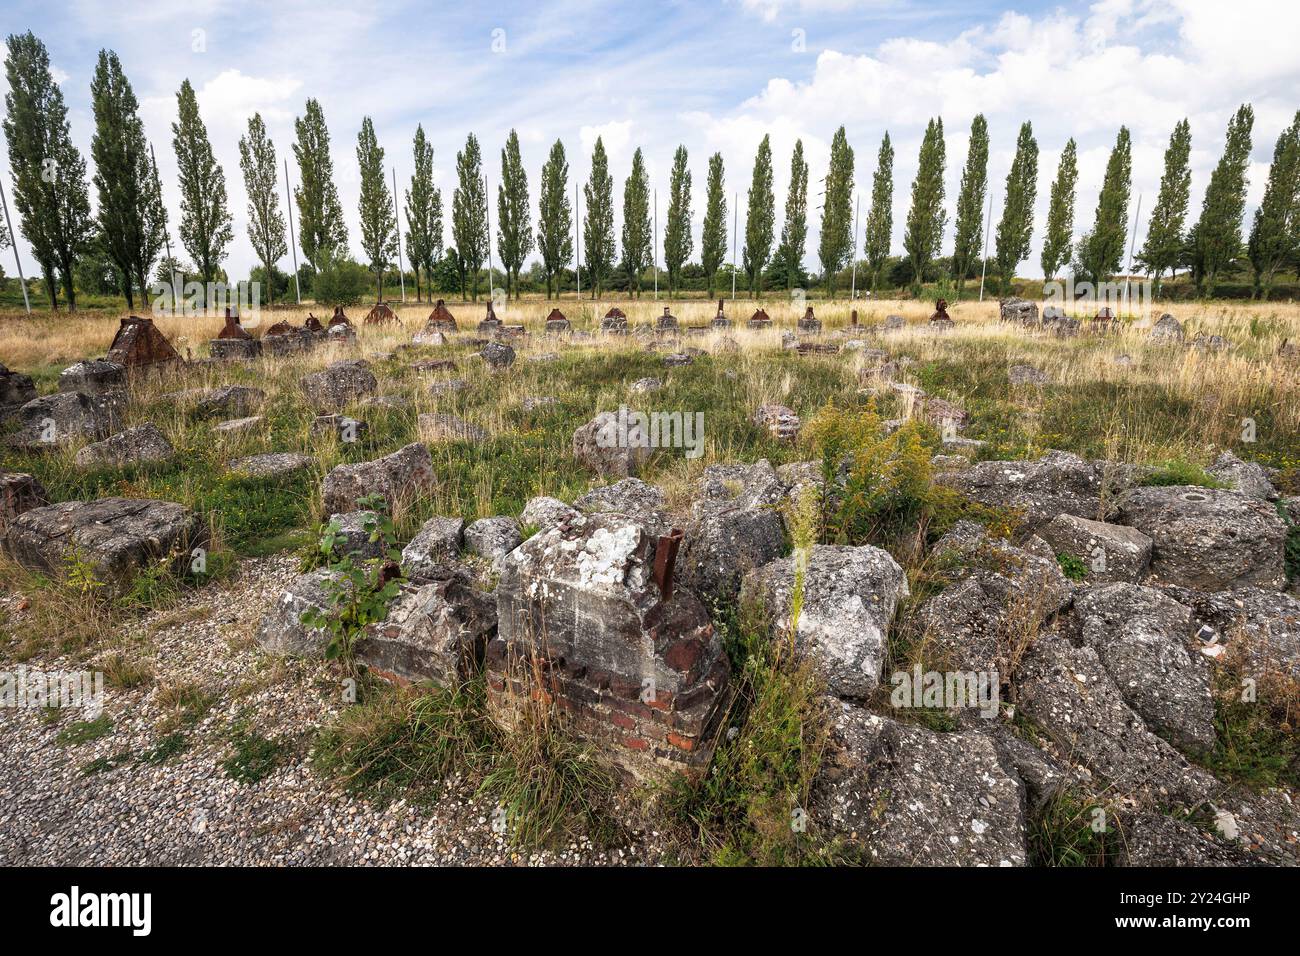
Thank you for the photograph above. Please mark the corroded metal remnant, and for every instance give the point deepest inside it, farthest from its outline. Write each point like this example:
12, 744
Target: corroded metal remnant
339, 317
232, 329
138, 344
666, 561
380, 314
759, 320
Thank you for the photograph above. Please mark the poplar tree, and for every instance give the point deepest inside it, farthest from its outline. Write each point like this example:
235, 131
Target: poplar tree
131, 215
1163, 249
637, 237
514, 225
1101, 251
880, 218
1060, 213
794, 232
555, 217
322, 233
925, 220
206, 226
1275, 235
469, 216
1017, 224
836, 242
598, 226
266, 229
677, 230
378, 217
49, 174
1215, 240
760, 218
423, 214
970, 202
713, 235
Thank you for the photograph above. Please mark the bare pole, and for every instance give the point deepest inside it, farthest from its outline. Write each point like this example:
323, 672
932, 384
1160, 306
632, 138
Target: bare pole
487, 206
167, 239
397, 220
654, 252
293, 242
984, 261
577, 241
853, 251
735, 220
13, 236
1132, 244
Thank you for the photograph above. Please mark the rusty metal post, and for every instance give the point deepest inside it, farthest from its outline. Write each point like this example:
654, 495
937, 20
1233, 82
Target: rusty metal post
666, 560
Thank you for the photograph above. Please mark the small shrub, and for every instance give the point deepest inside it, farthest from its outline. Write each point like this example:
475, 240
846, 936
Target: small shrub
1072, 567
1178, 472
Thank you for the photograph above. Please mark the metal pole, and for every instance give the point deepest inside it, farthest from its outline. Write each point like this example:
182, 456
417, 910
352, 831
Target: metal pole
401, 269
984, 263
293, 240
853, 250
735, 219
13, 237
167, 239
577, 240
1132, 243
655, 251
487, 187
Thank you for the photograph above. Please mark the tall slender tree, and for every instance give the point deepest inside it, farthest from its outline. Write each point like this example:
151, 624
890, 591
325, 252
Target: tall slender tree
880, 218
1101, 251
1275, 235
713, 235
923, 236
1215, 240
598, 227
555, 218
677, 230
132, 218
375, 207
1017, 224
49, 173
266, 229
836, 242
514, 223
206, 226
970, 202
322, 233
1165, 240
794, 232
637, 240
1060, 213
469, 205
423, 214
759, 218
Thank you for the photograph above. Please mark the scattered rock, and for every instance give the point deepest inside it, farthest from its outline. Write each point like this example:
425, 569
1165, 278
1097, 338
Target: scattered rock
849, 597
780, 422
435, 546
543, 513
493, 538
334, 386
19, 492
93, 377
610, 445
1250, 478
274, 464
66, 417
403, 475
1111, 552
1026, 375
498, 355
238, 426
440, 427
143, 443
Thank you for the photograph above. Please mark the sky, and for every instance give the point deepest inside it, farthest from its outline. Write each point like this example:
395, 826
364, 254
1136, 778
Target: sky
714, 75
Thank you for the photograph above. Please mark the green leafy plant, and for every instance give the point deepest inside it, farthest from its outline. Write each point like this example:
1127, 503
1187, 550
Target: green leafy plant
1072, 567
358, 592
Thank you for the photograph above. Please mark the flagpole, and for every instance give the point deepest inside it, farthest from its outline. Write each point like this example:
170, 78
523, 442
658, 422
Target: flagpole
984, 262
397, 220
655, 251
13, 237
1137, 215
167, 239
487, 188
293, 242
735, 219
853, 284
577, 240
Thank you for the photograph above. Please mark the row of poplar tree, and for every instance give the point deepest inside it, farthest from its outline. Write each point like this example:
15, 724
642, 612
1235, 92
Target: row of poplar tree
51, 198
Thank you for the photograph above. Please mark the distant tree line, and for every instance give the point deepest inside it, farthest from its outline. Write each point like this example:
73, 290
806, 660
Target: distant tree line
120, 247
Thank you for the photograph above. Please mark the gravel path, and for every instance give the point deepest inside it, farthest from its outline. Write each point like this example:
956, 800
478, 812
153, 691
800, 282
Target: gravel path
186, 809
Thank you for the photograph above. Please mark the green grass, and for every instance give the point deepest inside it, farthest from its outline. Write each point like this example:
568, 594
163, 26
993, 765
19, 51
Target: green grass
84, 731
255, 757
1072, 829
169, 746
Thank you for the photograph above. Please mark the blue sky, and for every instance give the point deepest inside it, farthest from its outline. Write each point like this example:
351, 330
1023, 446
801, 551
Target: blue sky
715, 76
